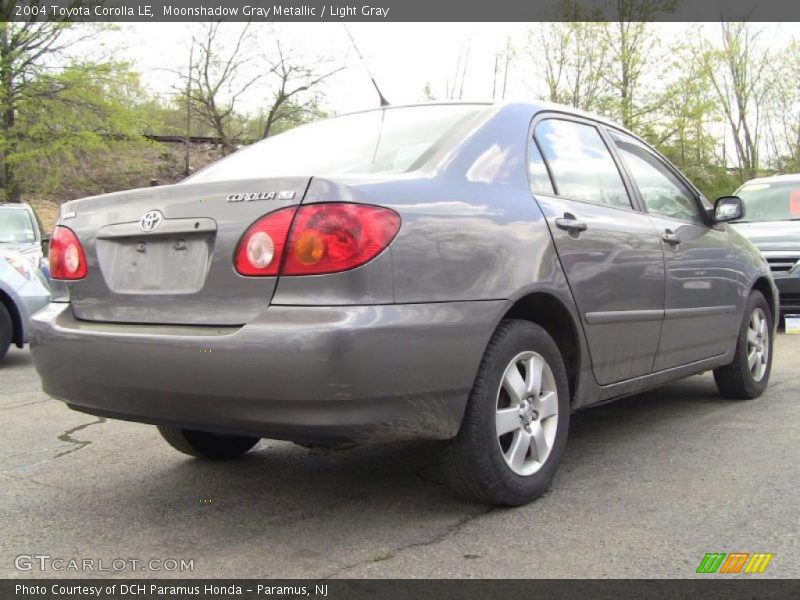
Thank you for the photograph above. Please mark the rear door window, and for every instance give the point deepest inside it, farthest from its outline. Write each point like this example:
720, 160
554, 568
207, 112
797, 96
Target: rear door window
538, 175
581, 164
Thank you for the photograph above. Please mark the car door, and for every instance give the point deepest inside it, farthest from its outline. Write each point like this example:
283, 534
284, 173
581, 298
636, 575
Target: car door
609, 250
702, 270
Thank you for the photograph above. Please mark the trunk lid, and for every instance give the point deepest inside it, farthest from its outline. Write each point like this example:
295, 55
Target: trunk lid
165, 254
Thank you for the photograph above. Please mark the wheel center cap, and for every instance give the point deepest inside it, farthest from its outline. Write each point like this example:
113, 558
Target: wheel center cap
527, 413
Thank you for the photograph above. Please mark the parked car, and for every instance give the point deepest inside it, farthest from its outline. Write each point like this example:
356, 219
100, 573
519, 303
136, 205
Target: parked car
23, 291
465, 272
772, 223
21, 231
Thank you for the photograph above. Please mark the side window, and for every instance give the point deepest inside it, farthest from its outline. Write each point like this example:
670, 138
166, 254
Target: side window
539, 177
662, 192
581, 164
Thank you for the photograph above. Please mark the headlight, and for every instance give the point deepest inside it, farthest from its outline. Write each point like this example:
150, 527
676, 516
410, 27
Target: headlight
23, 267
33, 254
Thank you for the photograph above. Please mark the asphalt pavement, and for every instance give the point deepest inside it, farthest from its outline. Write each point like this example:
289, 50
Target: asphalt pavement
648, 486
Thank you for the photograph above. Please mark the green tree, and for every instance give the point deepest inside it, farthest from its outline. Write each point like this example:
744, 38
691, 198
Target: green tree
52, 106
740, 71
635, 56
90, 108
784, 111
24, 52
683, 128
571, 59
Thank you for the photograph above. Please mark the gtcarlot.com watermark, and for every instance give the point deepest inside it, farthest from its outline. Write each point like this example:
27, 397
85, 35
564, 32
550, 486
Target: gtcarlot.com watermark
56, 564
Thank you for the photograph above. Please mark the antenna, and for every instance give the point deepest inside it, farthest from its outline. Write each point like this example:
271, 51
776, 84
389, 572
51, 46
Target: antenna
384, 101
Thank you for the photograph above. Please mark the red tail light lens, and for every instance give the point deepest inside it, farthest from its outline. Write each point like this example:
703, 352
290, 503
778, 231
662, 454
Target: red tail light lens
322, 238
334, 237
67, 260
260, 250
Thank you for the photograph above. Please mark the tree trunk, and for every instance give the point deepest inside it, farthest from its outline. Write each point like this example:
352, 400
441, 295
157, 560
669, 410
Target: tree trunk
10, 184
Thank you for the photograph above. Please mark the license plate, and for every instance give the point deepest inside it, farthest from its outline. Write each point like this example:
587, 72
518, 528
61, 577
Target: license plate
155, 265
793, 324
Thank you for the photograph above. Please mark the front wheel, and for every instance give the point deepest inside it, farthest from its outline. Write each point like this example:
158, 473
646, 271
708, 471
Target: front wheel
515, 425
747, 376
202, 444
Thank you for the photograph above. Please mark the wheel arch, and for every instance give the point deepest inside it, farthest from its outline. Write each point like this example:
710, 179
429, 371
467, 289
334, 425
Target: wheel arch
762, 285
553, 315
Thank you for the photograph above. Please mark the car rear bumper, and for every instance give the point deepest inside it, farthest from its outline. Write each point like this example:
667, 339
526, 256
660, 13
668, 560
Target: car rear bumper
359, 373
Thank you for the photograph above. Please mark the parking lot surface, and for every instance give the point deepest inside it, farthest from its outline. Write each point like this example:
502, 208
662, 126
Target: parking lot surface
648, 485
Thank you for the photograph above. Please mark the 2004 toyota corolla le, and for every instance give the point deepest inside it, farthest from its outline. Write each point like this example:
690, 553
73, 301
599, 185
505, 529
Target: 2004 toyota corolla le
463, 272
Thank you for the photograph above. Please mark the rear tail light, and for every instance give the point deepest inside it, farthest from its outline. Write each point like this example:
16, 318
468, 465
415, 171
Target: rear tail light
260, 250
67, 260
328, 238
322, 238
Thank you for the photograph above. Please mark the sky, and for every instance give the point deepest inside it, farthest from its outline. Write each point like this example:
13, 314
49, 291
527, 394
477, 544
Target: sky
402, 57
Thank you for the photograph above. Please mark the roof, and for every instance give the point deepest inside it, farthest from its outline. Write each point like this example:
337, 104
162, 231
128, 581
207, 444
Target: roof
788, 177
535, 106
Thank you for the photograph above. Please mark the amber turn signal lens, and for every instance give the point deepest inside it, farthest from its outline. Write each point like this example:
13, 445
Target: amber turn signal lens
309, 248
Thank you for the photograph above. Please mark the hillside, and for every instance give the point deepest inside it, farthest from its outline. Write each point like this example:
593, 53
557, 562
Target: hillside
130, 165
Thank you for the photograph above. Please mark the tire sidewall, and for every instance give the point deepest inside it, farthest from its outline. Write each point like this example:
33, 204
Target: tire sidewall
754, 388
523, 336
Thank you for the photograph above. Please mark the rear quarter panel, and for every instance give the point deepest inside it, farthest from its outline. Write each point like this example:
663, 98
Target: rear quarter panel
470, 228
471, 231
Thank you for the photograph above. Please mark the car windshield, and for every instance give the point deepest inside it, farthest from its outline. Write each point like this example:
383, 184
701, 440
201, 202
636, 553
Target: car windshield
393, 140
16, 226
775, 201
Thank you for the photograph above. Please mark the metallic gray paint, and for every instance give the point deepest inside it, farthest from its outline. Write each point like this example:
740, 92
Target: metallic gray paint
355, 373
226, 298
616, 265
390, 349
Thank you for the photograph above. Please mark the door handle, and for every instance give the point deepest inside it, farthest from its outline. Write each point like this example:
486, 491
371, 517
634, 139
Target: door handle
670, 238
571, 224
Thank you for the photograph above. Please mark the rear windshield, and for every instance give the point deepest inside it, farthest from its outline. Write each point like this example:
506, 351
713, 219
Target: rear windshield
771, 201
16, 226
393, 140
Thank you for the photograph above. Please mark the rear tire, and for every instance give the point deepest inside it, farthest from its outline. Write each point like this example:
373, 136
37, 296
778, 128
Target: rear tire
202, 444
6, 331
514, 429
747, 376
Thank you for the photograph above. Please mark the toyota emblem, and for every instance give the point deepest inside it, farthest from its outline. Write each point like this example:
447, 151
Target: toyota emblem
151, 220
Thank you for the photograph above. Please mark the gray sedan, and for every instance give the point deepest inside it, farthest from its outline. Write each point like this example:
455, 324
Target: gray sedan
464, 272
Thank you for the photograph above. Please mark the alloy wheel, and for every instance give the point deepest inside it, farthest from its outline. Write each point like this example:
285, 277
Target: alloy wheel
527, 413
758, 344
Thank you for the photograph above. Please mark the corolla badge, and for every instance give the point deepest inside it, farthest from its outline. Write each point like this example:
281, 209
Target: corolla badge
251, 196
151, 220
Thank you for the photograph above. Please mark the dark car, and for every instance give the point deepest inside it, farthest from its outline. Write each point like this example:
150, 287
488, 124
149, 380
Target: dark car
464, 272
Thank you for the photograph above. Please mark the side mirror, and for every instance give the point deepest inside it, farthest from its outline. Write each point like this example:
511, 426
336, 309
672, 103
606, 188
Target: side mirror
728, 208
46, 243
